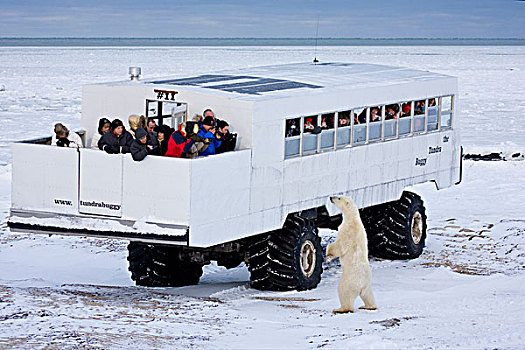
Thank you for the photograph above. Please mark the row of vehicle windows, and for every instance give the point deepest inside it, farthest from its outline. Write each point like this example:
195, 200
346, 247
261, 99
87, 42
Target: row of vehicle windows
316, 133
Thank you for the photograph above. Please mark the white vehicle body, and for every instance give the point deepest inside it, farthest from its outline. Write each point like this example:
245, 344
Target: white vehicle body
221, 198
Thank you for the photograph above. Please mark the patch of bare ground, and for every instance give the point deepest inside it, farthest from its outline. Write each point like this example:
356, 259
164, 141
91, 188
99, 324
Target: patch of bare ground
284, 298
98, 317
393, 322
476, 248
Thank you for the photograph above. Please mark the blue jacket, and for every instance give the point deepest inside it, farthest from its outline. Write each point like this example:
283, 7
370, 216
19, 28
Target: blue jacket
213, 144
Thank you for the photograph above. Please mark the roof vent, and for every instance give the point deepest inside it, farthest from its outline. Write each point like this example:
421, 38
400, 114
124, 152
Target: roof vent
134, 73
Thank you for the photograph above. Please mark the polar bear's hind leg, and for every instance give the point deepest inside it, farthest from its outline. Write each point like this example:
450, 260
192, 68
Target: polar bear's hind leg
368, 298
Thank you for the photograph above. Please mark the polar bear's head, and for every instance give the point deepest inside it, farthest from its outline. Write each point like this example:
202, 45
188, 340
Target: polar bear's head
345, 204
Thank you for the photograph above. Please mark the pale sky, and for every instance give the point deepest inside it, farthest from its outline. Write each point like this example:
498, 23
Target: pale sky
238, 18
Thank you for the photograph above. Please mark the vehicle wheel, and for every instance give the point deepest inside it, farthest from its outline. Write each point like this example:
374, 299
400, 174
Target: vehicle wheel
160, 266
398, 229
290, 258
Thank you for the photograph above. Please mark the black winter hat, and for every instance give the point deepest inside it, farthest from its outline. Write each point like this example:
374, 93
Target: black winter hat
166, 130
208, 121
222, 123
116, 123
101, 123
140, 133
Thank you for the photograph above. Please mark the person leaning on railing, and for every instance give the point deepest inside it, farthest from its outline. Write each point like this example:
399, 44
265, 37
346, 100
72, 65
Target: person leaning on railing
65, 138
228, 139
116, 140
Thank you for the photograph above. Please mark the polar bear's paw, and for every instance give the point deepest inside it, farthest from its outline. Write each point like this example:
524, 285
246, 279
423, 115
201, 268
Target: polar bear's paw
342, 311
368, 307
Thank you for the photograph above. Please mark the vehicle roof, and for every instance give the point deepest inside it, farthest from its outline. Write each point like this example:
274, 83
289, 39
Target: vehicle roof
296, 79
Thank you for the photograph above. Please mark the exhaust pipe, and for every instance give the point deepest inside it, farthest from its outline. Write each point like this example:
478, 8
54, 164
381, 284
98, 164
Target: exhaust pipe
134, 73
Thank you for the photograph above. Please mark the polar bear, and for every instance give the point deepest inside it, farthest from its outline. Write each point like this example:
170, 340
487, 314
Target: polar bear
352, 248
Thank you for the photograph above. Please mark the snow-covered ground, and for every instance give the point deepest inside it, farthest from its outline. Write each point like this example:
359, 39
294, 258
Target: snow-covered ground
465, 291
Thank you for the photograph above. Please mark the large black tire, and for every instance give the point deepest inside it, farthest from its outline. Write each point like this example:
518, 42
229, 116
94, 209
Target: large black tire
160, 266
290, 258
398, 229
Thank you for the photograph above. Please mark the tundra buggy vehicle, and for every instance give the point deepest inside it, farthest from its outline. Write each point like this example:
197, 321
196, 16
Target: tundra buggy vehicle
305, 132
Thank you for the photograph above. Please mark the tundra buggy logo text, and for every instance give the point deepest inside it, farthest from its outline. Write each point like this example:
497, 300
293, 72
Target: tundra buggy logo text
421, 161
445, 139
100, 205
434, 150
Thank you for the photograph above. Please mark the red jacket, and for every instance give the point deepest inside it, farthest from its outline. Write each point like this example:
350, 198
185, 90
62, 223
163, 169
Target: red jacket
176, 145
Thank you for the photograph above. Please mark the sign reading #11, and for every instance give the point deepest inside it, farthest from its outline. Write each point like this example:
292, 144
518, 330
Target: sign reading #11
165, 94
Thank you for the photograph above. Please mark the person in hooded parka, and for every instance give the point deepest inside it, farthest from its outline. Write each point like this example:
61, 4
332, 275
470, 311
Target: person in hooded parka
207, 131
103, 126
185, 142
116, 140
163, 136
229, 139
139, 147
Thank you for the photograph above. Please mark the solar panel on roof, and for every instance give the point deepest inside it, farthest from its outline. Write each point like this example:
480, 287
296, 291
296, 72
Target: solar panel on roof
258, 81
276, 86
254, 85
201, 79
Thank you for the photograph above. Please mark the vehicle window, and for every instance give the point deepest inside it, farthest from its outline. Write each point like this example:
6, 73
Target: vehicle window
310, 123
310, 134
359, 132
292, 137
293, 127
166, 112
419, 116
374, 120
404, 117
327, 131
343, 128
446, 112
432, 120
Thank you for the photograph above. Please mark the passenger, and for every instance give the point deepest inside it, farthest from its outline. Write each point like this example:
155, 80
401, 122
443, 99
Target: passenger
431, 102
207, 131
185, 142
208, 113
374, 114
64, 138
136, 121
391, 111
361, 118
405, 110
291, 128
356, 119
103, 126
308, 126
198, 144
139, 149
327, 122
163, 135
344, 120
324, 124
177, 142
152, 136
419, 108
228, 139
116, 140
197, 118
